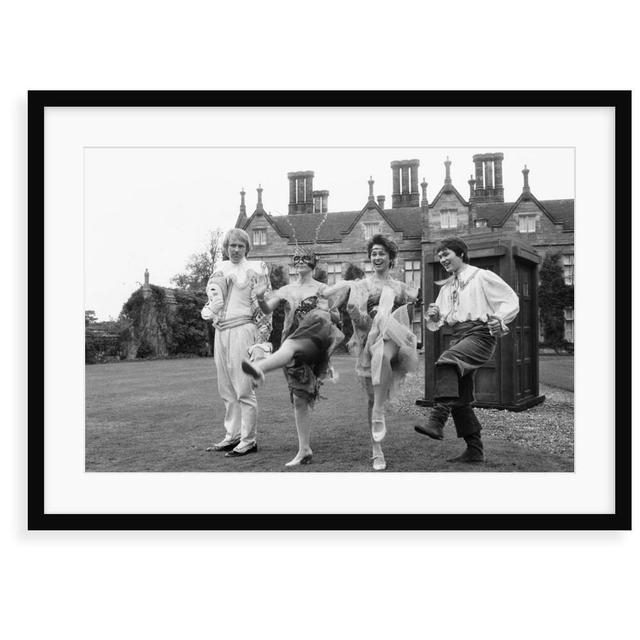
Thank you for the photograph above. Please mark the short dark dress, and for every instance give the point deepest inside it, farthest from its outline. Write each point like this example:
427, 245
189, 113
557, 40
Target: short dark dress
306, 373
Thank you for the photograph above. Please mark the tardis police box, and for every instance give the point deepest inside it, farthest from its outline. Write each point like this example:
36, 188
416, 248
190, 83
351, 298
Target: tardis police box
510, 379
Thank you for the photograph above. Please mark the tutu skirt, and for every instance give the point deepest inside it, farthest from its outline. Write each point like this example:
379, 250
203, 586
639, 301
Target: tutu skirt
308, 370
369, 348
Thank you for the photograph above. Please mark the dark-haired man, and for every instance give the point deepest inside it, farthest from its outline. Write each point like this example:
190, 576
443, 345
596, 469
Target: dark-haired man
477, 305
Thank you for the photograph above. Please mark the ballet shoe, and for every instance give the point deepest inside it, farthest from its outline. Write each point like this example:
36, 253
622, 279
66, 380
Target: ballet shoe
378, 428
254, 372
306, 459
379, 463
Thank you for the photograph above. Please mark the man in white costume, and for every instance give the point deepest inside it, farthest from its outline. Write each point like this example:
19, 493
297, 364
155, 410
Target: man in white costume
242, 331
477, 304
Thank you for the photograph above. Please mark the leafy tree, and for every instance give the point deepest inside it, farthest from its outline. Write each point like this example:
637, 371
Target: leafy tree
102, 340
279, 276
189, 332
554, 296
352, 272
321, 275
200, 266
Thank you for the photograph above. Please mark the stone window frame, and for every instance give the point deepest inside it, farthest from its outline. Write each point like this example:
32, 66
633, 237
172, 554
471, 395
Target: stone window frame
334, 272
568, 268
451, 215
569, 326
370, 229
527, 217
263, 236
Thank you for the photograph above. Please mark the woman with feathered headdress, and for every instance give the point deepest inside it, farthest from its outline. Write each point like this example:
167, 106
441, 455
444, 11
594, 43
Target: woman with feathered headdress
310, 336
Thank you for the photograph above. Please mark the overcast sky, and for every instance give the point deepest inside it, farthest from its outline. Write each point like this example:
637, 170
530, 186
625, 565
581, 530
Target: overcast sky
154, 207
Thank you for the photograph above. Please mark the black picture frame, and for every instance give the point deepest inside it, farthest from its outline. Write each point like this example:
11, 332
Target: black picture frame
39, 101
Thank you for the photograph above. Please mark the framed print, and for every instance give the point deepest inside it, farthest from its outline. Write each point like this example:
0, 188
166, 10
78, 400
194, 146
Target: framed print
329, 310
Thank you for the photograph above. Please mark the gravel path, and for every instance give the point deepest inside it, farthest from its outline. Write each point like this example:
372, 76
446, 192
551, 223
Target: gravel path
547, 427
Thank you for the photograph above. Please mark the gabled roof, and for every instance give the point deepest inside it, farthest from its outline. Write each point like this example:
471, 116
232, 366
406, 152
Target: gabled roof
241, 220
561, 210
497, 213
493, 212
448, 188
302, 227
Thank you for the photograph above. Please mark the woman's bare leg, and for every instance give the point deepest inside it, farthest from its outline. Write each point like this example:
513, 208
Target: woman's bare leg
379, 463
303, 427
284, 355
381, 392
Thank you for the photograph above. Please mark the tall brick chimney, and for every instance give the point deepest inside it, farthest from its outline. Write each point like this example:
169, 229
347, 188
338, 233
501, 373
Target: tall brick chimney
300, 192
488, 185
320, 201
405, 183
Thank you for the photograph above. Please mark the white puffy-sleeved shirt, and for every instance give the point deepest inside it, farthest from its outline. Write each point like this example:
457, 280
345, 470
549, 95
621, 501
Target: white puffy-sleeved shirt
475, 294
231, 298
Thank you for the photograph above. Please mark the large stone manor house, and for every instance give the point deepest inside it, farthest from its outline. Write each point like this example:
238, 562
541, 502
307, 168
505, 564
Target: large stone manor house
415, 223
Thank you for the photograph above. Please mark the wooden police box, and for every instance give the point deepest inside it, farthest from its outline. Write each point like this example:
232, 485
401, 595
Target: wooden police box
510, 380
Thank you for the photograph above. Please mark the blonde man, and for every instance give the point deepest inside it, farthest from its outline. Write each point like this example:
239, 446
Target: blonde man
242, 331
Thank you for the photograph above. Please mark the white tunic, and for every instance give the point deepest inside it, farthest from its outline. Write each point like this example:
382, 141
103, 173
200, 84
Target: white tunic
475, 294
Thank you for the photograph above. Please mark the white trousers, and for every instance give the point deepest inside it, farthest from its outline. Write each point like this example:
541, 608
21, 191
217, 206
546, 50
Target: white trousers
234, 386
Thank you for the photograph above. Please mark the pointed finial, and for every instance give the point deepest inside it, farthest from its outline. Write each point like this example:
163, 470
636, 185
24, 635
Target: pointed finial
371, 182
424, 185
525, 187
447, 165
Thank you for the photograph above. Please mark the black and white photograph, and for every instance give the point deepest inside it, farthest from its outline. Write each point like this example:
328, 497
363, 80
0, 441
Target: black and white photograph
329, 309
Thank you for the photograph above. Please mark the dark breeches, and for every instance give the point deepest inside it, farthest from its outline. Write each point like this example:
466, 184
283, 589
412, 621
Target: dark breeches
471, 347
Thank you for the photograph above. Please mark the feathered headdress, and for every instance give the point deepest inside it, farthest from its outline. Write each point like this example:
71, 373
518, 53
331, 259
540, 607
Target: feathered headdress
309, 252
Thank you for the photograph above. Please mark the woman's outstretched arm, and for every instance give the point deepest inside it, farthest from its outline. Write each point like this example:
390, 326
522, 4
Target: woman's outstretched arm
267, 305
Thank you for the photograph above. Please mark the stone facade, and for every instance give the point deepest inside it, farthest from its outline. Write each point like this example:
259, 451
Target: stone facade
340, 237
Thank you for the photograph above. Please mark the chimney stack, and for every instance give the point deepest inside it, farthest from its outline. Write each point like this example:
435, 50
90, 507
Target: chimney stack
488, 183
320, 201
405, 183
381, 200
300, 192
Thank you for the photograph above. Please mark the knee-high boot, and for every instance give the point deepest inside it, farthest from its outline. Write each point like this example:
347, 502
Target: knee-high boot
434, 426
468, 427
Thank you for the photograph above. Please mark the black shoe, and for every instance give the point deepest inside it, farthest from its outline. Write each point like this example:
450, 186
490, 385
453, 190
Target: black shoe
469, 455
237, 454
224, 446
435, 431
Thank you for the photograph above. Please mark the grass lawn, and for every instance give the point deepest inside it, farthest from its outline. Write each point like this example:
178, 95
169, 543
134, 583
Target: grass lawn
160, 415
